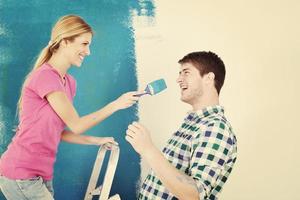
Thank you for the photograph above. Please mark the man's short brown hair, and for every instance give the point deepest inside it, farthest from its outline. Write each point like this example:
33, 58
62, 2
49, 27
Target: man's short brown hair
207, 62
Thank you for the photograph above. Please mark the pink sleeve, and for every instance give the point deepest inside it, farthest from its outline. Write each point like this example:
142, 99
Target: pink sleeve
45, 82
73, 85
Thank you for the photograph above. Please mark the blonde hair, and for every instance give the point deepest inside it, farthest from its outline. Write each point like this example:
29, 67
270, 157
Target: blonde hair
66, 28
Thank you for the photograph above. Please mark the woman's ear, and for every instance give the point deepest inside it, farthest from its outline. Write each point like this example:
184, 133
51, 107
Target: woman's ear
63, 43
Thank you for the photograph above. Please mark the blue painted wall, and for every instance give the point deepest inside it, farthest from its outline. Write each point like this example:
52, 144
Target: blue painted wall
110, 71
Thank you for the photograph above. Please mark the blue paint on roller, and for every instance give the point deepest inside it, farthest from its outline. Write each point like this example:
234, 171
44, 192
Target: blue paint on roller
154, 87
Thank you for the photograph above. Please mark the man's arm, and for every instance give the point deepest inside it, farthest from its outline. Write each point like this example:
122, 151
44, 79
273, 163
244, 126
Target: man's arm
178, 183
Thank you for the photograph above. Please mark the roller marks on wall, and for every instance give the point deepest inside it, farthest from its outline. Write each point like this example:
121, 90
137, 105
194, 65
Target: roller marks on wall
107, 73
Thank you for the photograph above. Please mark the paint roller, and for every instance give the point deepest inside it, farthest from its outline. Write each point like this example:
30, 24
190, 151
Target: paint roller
154, 87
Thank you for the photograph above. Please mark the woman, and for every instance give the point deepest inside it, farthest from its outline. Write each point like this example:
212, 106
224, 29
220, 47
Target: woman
45, 108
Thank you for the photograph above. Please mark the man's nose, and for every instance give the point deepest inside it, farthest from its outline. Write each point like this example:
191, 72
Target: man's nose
179, 79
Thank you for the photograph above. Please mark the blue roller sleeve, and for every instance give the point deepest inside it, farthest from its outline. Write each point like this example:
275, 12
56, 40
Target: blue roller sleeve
158, 86
154, 87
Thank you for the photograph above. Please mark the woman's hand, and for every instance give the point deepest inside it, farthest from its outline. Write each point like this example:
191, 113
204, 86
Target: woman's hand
126, 100
69, 136
109, 141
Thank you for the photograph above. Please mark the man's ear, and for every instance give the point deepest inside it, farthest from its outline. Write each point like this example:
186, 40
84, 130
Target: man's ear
209, 77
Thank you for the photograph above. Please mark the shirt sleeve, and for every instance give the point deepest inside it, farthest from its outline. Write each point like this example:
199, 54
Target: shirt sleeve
45, 82
73, 85
209, 155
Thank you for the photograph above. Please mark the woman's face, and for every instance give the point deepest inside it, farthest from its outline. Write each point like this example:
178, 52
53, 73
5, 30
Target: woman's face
76, 50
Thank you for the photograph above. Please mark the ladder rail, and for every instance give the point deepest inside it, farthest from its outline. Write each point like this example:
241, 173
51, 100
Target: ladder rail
110, 172
103, 190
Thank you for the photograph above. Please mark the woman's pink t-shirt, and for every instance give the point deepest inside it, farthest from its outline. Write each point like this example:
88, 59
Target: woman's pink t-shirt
32, 151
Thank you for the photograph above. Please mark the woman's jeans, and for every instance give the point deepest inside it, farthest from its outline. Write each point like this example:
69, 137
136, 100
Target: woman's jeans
26, 189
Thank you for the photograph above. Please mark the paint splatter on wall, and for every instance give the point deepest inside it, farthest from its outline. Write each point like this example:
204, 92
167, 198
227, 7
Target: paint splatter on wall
109, 71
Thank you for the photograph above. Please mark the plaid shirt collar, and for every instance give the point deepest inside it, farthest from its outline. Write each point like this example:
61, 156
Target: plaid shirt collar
192, 114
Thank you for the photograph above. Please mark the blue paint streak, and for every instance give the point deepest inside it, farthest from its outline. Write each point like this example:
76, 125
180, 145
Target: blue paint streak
105, 75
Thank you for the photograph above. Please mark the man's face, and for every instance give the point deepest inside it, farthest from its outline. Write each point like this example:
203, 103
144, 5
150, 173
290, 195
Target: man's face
190, 83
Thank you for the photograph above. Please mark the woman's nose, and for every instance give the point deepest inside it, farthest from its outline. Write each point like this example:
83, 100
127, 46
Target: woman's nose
88, 52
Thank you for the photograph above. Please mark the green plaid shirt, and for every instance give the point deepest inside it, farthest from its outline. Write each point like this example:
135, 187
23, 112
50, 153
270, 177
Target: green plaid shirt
204, 148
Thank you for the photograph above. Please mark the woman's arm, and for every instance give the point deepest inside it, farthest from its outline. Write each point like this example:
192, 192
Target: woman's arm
66, 111
69, 136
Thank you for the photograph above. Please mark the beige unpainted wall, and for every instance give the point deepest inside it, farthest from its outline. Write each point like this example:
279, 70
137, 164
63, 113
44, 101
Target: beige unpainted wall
259, 44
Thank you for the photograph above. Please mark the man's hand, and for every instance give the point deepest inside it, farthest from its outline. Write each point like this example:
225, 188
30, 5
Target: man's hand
139, 138
180, 184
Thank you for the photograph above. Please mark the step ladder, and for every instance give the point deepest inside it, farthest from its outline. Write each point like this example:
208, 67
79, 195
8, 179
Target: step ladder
103, 190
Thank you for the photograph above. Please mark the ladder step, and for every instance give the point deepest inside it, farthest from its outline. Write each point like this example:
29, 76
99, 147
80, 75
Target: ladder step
115, 197
97, 191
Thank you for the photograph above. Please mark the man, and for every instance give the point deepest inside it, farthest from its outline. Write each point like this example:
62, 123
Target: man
199, 157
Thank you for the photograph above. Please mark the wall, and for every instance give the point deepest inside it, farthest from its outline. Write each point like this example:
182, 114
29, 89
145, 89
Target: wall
110, 71
259, 43
257, 40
